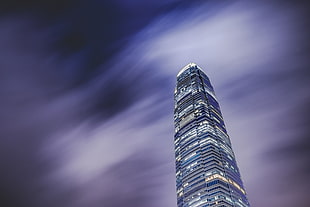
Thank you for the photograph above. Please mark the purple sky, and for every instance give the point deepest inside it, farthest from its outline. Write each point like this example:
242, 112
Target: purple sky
86, 116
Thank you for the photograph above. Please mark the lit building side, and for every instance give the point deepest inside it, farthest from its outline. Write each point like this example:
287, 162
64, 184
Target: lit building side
206, 168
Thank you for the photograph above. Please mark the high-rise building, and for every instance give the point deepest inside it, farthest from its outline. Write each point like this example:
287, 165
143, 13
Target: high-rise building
206, 170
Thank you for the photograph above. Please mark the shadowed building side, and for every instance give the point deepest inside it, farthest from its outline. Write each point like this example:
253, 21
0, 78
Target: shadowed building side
206, 170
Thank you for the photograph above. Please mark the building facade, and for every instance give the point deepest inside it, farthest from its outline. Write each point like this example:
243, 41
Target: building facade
206, 170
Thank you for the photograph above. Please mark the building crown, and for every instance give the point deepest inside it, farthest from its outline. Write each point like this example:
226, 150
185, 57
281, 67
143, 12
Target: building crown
189, 65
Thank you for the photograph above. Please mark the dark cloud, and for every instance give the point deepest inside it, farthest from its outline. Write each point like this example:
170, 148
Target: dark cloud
96, 29
30, 112
87, 87
133, 180
41, 105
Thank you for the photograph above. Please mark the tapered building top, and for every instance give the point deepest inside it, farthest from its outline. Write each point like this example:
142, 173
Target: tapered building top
206, 170
188, 66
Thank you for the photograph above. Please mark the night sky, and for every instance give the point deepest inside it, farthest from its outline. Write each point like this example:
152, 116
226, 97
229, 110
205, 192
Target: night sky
86, 87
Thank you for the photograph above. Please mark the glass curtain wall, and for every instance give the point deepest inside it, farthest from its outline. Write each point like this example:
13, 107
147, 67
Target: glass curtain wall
206, 170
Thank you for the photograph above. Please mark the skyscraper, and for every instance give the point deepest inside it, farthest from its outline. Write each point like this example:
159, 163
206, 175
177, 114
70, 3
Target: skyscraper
206, 170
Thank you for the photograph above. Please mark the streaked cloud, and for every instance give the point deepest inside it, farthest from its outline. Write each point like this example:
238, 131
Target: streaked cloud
82, 126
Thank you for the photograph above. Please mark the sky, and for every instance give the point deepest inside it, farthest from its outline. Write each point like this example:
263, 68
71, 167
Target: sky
86, 87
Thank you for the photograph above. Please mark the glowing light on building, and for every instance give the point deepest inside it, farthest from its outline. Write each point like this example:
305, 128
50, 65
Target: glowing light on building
206, 170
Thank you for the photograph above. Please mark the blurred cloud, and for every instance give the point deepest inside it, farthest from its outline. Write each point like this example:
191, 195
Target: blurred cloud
61, 142
252, 53
87, 113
